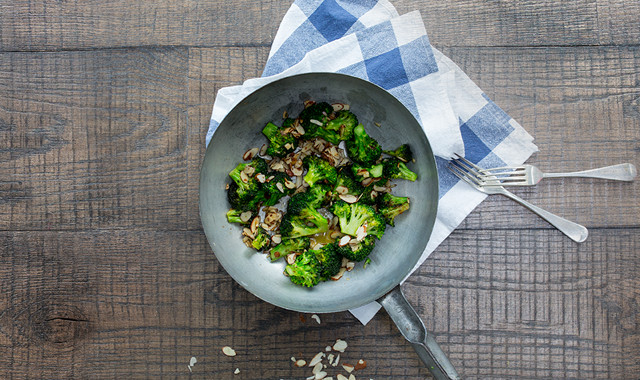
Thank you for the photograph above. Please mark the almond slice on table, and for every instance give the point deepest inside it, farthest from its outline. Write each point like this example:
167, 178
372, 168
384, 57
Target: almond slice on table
228, 351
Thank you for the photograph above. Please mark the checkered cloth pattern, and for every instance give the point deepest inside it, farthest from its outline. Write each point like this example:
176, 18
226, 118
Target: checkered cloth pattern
370, 40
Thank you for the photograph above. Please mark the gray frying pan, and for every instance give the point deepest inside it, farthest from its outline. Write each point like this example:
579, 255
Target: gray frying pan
395, 254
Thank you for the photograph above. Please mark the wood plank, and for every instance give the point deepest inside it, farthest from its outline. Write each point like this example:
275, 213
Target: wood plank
54, 25
503, 304
93, 139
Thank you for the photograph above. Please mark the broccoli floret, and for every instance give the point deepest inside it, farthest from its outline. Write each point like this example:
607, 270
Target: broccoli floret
394, 168
347, 184
261, 239
358, 251
301, 219
304, 271
318, 195
233, 216
343, 124
314, 118
280, 144
390, 206
242, 199
361, 172
273, 192
329, 261
288, 246
361, 148
352, 216
403, 153
319, 170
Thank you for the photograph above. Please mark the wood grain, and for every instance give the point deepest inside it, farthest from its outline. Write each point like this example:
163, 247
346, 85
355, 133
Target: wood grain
104, 269
54, 25
503, 304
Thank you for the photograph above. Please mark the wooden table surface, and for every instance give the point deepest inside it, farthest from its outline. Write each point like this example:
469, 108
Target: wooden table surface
105, 271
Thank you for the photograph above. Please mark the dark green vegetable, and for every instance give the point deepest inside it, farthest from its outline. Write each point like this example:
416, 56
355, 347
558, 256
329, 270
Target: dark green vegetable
403, 153
396, 169
304, 271
233, 216
343, 124
302, 219
288, 246
358, 251
363, 149
280, 144
390, 206
352, 216
274, 192
329, 261
261, 240
319, 170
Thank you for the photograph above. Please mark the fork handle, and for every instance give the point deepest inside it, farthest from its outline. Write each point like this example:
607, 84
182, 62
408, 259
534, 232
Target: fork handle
574, 231
620, 172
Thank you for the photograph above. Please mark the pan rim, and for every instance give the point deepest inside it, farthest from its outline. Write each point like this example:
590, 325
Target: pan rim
408, 265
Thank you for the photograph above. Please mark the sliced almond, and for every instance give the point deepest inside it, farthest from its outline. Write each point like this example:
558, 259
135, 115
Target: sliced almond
335, 234
291, 258
316, 368
380, 189
350, 265
276, 239
347, 367
244, 177
344, 240
315, 318
300, 363
321, 375
349, 198
247, 232
254, 224
361, 232
245, 216
289, 184
364, 173
263, 149
228, 351
340, 345
249, 154
261, 178
367, 181
316, 359
342, 190
316, 122
297, 171
361, 364
280, 187
341, 377
340, 106
249, 170
352, 377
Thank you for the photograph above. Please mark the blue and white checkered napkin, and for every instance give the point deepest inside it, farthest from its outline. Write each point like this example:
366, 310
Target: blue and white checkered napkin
368, 39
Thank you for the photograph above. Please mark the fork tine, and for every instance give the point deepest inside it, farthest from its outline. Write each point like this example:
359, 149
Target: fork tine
504, 170
454, 169
463, 174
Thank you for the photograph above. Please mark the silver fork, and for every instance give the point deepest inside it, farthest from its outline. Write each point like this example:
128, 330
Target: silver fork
470, 175
527, 175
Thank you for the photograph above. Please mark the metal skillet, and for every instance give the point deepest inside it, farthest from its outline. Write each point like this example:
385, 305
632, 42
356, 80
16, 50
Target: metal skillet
394, 255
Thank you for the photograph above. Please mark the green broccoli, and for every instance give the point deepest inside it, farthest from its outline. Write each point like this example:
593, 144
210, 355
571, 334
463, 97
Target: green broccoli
359, 250
288, 246
390, 206
343, 124
362, 172
276, 187
233, 216
318, 195
403, 153
280, 144
301, 219
346, 184
304, 271
394, 168
329, 259
319, 170
261, 239
247, 198
352, 216
314, 118
361, 148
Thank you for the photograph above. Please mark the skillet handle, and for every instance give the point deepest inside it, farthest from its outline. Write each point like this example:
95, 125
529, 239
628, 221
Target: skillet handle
412, 328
